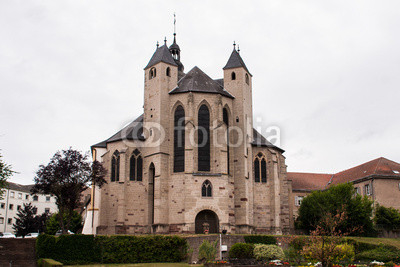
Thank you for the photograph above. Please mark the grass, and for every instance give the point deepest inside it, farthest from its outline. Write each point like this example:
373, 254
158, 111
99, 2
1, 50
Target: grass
376, 240
139, 265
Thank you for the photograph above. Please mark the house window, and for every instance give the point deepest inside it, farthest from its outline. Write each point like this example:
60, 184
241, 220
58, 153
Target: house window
34, 210
1, 220
260, 168
19, 195
136, 166
168, 72
298, 200
47, 210
206, 189
115, 167
2, 205
179, 139
11, 206
247, 79
152, 73
35, 198
47, 199
9, 221
233, 76
203, 138
357, 190
12, 194
27, 197
18, 207
368, 190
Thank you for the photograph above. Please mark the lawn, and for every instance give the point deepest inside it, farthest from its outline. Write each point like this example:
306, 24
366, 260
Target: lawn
139, 265
372, 240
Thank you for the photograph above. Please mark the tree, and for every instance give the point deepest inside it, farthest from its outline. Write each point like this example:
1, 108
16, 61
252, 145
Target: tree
53, 223
5, 173
324, 244
26, 221
66, 176
388, 218
338, 198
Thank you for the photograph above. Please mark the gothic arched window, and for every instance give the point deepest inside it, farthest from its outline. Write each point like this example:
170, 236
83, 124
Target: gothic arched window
233, 75
179, 139
136, 166
152, 73
247, 79
168, 72
206, 189
115, 167
260, 168
203, 135
226, 121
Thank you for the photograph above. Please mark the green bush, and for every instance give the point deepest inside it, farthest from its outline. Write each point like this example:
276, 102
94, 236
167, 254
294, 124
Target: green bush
380, 254
241, 251
344, 253
48, 263
268, 252
260, 239
82, 249
208, 251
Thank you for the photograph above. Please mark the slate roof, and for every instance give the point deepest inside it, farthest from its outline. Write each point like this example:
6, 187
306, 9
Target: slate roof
197, 81
308, 181
235, 61
19, 187
133, 131
259, 140
162, 54
380, 167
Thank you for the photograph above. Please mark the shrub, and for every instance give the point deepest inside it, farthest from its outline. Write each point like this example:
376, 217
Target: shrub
48, 263
344, 253
208, 251
81, 249
380, 254
241, 251
260, 239
268, 252
293, 255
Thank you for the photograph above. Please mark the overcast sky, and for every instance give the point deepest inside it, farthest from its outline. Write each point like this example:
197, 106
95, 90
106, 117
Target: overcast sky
327, 73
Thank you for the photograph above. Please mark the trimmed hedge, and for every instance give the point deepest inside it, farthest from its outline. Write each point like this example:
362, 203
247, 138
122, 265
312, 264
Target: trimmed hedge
241, 251
83, 249
48, 263
260, 239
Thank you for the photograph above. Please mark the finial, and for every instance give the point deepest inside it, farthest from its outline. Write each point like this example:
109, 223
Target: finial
174, 24
238, 49
234, 45
165, 40
158, 44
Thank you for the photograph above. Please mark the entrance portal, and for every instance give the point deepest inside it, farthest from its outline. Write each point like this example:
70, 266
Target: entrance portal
207, 220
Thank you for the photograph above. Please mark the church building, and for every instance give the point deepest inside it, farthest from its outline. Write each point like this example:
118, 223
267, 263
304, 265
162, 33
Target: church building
192, 162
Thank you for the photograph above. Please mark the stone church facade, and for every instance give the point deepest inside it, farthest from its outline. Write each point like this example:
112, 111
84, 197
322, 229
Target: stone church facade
192, 162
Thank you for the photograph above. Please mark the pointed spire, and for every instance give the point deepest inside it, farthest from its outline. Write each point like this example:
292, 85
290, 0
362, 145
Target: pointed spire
235, 60
162, 54
165, 40
238, 49
174, 28
158, 44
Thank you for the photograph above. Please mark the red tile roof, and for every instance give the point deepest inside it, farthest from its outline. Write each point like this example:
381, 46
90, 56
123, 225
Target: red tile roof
308, 181
380, 166
317, 181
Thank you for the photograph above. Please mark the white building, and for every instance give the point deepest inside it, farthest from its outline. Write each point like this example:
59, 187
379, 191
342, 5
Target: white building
13, 200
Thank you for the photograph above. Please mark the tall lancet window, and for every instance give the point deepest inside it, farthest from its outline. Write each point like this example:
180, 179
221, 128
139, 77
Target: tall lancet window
206, 189
115, 167
226, 121
136, 166
179, 139
260, 168
203, 135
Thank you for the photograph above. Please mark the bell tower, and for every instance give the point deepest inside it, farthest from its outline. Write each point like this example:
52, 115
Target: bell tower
237, 81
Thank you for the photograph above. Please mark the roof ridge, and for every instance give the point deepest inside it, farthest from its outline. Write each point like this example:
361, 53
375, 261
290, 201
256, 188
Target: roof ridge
376, 167
357, 166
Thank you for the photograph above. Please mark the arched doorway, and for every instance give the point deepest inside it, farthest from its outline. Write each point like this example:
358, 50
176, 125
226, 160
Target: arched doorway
151, 194
207, 219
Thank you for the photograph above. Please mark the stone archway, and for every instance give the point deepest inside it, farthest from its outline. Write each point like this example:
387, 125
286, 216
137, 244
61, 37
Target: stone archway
207, 219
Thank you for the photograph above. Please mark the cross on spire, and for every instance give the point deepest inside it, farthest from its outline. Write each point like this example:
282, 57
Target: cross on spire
234, 45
